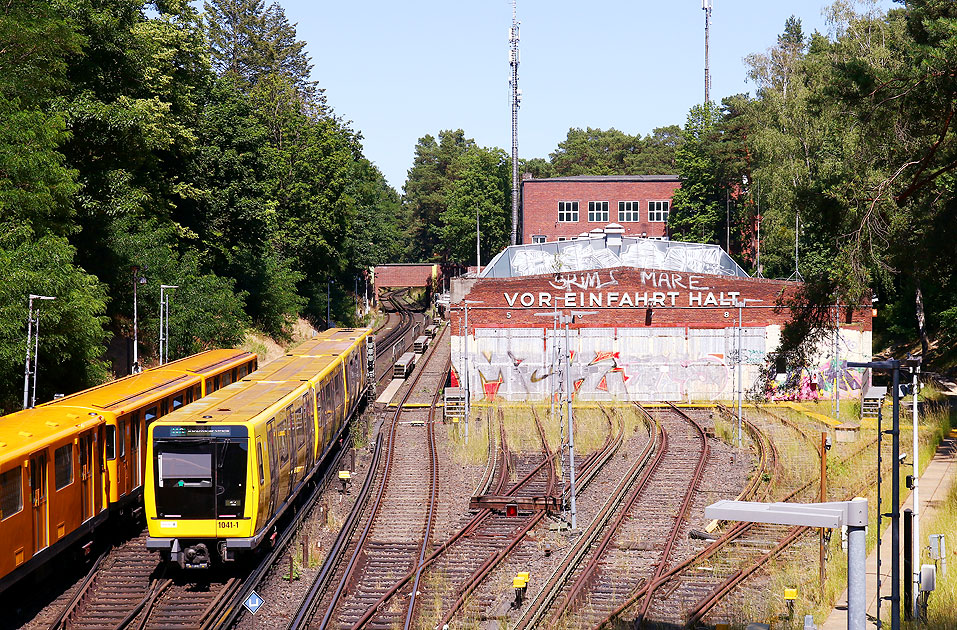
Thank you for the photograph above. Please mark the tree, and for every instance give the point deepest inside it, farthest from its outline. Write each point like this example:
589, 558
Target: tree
425, 188
483, 187
236, 30
697, 208
72, 327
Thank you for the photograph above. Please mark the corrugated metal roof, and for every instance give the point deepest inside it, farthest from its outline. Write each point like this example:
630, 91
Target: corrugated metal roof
604, 251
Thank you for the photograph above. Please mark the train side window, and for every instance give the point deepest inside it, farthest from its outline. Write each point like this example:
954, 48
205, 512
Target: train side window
150, 415
63, 466
177, 402
121, 441
110, 442
262, 472
11, 493
224, 379
242, 372
197, 392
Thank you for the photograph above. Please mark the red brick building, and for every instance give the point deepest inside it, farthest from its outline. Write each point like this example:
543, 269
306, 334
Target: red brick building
655, 320
561, 208
406, 275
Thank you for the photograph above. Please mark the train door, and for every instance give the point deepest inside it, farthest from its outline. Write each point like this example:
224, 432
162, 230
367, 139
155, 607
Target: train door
136, 450
103, 481
293, 437
41, 507
261, 463
122, 467
273, 464
87, 448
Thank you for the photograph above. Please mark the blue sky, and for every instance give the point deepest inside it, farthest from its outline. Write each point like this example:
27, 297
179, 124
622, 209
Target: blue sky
400, 70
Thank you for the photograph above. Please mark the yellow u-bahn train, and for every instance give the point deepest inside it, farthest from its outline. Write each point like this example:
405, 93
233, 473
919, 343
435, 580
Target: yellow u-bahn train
220, 473
66, 466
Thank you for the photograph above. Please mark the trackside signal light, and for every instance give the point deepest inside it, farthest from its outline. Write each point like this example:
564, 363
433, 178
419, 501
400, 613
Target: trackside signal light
511, 509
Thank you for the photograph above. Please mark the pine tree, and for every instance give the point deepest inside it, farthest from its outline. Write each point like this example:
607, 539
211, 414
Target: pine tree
236, 30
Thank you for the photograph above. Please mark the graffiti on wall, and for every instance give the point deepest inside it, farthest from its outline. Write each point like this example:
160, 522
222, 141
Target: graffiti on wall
663, 367
812, 383
635, 364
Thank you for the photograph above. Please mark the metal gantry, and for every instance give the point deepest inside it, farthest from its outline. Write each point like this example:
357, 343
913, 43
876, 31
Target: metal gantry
164, 322
33, 348
137, 280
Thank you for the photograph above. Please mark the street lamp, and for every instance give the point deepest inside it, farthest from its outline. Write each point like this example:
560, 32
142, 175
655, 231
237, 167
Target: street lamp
164, 322
33, 339
564, 319
137, 279
468, 398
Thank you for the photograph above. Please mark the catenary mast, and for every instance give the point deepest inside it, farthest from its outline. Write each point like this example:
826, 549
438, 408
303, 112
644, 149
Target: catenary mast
706, 6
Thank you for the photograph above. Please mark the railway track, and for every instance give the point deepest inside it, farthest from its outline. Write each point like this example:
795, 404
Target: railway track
720, 601
128, 588
390, 546
393, 338
457, 570
623, 548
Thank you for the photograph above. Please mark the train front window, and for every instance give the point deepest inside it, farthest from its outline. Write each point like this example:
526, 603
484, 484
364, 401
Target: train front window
230, 478
200, 479
184, 479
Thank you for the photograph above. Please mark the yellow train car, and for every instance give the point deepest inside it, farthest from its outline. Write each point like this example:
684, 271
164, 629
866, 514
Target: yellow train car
220, 474
66, 465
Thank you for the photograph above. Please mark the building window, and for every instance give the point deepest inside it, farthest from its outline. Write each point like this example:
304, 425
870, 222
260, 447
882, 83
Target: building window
538, 238
658, 211
598, 211
561, 238
627, 211
11, 495
63, 466
568, 211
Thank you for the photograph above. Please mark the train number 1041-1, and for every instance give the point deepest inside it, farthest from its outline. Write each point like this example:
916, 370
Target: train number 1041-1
227, 525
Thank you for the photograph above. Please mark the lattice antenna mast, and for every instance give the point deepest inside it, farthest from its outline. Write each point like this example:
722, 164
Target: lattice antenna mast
706, 6
513, 59
797, 232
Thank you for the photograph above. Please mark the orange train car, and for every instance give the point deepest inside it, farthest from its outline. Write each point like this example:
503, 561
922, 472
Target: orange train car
68, 466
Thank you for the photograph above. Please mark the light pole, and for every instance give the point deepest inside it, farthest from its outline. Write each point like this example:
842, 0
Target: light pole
164, 322
137, 279
914, 365
468, 396
566, 320
740, 304
33, 343
478, 243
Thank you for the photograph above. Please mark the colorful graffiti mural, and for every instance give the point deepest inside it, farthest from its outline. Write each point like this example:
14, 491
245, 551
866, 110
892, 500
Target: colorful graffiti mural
635, 364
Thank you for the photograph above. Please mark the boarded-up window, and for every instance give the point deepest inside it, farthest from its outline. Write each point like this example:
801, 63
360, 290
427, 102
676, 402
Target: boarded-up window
63, 466
11, 493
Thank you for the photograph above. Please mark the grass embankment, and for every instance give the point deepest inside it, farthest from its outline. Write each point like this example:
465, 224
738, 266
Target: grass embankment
942, 605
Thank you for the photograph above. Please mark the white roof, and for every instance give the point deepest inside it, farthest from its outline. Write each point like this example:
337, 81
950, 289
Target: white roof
613, 250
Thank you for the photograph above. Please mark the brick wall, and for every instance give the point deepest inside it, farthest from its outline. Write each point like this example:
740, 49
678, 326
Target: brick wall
628, 297
540, 199
392, 276
674, 337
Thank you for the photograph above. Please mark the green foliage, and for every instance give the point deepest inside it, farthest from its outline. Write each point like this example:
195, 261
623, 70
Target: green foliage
612, 152
425, 189
854, 133
243, 188
483, 187
695, 209
72, 327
